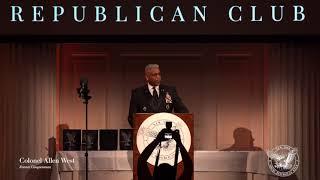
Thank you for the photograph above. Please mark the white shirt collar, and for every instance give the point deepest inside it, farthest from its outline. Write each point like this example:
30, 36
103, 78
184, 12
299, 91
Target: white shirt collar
151, 89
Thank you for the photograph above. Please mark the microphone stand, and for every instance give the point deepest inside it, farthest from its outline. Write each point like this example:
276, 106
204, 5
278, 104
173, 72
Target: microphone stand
83, 92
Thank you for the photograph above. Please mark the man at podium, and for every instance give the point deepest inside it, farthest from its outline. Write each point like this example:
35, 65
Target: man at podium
154, 97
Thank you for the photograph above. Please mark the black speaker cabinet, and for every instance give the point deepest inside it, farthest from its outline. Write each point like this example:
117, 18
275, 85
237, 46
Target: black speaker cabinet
108, 139
71, 139
92, 140
126, 139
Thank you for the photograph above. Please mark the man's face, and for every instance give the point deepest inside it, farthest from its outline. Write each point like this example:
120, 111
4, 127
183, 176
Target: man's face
153, 76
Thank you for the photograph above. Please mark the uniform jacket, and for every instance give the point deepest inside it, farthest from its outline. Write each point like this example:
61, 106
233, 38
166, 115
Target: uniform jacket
141, 101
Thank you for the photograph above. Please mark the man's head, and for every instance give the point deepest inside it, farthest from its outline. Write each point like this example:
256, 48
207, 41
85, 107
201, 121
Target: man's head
243, 137
152, 74
165, 172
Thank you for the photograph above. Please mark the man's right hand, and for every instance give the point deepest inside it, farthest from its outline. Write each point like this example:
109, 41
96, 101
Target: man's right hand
176, 136
160, 136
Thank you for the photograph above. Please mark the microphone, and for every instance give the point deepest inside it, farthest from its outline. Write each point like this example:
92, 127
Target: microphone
83, 84
83, 91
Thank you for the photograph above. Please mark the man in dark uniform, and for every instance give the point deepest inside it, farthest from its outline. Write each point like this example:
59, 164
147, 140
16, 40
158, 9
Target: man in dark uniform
154, 97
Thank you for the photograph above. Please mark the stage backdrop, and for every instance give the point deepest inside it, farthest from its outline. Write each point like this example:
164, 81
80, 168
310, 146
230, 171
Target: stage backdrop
222, 85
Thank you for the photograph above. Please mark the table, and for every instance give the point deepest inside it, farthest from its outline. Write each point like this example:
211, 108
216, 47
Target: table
221, 165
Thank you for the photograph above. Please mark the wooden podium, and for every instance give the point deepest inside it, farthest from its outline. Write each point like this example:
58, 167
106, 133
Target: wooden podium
139, 118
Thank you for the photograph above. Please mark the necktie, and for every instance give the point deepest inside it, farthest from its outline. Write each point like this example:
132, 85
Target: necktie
154, 93
155, 98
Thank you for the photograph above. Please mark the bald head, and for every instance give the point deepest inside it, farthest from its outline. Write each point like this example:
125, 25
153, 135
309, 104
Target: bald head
152, 74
